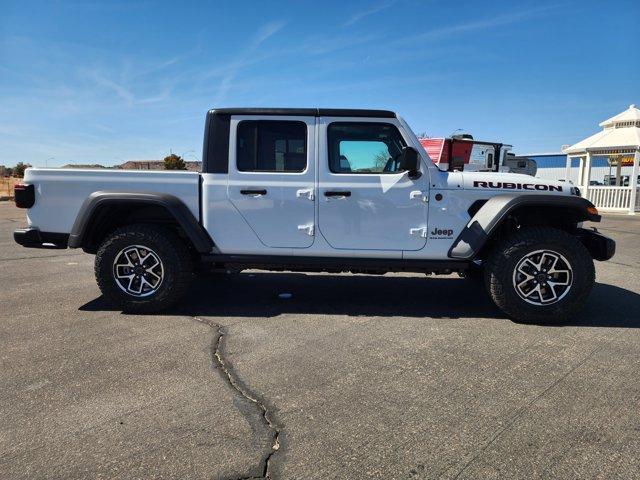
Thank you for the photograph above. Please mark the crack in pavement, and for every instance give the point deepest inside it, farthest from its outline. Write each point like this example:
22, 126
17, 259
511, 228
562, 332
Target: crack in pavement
232, 379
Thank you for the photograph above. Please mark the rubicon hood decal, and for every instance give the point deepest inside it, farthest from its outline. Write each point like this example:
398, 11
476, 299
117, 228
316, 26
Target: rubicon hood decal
518, 186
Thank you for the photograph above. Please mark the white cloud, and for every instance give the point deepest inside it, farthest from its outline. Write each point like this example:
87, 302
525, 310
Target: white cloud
263, 34
475, 25
106, 83
365, 13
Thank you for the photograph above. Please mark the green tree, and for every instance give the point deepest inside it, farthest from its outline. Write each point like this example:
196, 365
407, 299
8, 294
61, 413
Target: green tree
18, 170
174, 162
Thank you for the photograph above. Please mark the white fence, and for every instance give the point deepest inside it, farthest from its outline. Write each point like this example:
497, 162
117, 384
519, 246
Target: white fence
612, 199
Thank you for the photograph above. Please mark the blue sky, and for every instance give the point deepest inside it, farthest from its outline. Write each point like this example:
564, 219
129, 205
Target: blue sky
104, 82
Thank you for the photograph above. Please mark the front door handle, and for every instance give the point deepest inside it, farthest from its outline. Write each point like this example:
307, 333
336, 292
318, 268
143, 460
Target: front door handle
337, 193
254, 192
420, 195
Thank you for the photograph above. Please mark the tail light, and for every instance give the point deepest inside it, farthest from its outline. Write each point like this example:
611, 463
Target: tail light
25, 195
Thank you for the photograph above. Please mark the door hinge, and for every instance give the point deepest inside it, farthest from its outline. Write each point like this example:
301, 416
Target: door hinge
419, 194
420, 231
308, 229
308, 192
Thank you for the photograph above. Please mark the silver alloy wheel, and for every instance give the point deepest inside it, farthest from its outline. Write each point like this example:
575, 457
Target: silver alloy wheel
543, 277
138, 271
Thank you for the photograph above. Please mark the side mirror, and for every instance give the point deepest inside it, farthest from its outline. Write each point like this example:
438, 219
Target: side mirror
411, 162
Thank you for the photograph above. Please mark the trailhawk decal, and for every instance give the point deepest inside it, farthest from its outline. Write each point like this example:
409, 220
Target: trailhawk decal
518, 186
441, 234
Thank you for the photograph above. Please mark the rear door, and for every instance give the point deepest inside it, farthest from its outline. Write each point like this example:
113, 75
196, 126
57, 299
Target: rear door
272, 177
365, 200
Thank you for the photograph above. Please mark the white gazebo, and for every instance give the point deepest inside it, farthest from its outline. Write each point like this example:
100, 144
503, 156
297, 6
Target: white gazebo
619, 141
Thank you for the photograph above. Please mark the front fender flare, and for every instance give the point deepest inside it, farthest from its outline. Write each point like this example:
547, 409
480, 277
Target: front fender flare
176, 208
479, 229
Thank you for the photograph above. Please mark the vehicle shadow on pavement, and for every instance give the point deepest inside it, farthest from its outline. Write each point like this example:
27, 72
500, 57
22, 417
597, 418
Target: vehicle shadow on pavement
258, 294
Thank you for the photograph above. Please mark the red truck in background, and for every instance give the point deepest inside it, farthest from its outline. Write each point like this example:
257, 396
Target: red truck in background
462, 152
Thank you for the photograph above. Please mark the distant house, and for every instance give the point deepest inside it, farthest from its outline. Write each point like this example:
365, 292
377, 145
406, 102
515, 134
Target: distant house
156, 165
142, 165
137, 165
83, 165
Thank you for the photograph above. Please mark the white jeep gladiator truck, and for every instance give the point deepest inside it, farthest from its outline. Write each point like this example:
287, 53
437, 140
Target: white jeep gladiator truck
331, 190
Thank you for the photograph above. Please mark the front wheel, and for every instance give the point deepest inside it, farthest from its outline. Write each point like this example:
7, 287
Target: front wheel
143, 268
540, 275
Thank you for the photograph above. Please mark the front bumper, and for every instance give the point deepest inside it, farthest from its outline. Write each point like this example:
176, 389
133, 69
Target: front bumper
34, 238
600, 247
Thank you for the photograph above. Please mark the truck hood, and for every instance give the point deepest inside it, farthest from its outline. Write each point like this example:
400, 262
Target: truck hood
513, 182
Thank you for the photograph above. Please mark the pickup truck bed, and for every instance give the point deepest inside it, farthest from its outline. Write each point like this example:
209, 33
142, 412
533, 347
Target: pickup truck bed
60, 193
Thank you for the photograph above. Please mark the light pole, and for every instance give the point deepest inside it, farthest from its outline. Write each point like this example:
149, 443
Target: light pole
46, 162
192, 152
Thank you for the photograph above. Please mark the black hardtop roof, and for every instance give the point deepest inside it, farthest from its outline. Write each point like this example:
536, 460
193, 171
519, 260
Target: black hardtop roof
307, 112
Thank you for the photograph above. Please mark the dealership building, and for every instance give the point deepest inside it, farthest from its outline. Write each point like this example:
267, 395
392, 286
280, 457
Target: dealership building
552, 166
605, 166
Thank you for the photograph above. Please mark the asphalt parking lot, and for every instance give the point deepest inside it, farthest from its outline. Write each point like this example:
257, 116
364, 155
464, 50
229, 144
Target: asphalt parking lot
399, 376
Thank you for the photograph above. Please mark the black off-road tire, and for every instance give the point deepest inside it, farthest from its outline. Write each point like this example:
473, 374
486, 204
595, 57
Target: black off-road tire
176, 260
504, 259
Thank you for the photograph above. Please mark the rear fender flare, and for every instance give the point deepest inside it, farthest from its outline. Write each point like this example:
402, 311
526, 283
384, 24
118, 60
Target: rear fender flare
496, 210
80, 231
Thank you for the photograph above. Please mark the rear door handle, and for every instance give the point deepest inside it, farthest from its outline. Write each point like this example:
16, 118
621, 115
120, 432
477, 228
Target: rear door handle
254, 192
335, 193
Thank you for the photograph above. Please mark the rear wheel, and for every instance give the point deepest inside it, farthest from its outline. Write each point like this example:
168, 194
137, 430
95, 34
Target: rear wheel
143, 268
540, 275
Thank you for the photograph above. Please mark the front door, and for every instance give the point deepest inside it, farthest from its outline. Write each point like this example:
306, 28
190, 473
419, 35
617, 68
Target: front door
272, 177
365, 200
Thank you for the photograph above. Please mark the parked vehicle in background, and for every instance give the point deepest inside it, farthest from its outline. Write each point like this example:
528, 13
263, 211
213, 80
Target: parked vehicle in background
331, 190
524, 165
624, 180
462, 152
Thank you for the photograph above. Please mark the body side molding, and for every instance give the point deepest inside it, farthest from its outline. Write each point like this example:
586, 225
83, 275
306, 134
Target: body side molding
176, 208
496, 209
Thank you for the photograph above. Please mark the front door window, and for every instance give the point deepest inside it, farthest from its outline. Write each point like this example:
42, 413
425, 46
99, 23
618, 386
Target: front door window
364, 148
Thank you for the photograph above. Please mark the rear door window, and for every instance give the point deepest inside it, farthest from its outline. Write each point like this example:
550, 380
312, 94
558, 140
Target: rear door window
272, 146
